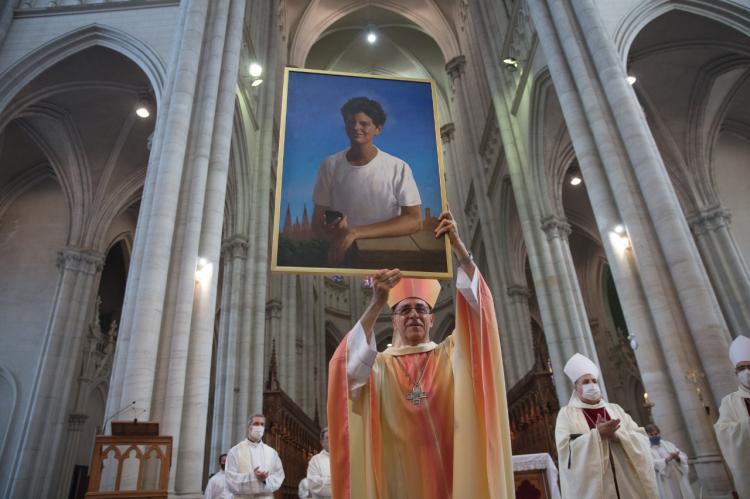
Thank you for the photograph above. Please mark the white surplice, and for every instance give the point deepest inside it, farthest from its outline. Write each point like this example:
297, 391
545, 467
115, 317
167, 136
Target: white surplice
319, 475
216, 488
242, 460
733, 433
671, 476
587, 460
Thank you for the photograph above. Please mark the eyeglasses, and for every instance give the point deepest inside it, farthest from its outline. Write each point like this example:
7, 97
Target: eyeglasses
406, 311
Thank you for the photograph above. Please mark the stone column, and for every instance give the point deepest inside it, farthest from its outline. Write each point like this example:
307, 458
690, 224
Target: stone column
286, 347
661, 282
725, 265
144, 301
72, 439
522, 345
455, 188
226, 418
169, 313
41, 456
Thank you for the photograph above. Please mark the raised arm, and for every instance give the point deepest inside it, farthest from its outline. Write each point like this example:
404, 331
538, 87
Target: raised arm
447, 225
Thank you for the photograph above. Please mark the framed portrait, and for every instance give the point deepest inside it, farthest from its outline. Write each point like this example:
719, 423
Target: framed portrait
359, 182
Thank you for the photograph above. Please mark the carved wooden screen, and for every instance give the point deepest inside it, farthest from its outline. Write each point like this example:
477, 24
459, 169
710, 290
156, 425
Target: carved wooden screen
533, 406
294, 435
130, 466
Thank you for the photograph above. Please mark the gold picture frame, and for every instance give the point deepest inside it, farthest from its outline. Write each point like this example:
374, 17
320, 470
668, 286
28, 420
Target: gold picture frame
294, 247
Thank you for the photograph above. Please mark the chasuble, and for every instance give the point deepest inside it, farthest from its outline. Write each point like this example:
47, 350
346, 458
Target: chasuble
425, 421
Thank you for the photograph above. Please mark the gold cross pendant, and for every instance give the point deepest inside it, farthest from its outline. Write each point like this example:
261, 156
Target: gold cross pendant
416, 395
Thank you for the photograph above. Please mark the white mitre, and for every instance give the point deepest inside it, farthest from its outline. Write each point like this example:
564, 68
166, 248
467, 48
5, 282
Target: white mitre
578, 365
739, 350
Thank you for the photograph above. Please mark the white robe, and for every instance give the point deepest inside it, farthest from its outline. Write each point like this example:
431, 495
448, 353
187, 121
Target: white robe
216, 488
671, 477
319, 475
242, 460
733, 433
585, 465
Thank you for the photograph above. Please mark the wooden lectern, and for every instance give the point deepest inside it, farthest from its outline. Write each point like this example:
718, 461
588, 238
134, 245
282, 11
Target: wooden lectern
133, 462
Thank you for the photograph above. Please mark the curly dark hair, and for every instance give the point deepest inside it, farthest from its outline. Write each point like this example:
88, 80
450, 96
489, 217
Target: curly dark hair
371, 108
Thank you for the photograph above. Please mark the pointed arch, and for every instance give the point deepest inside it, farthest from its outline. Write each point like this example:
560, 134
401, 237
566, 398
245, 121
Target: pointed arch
726, 12
315, 21
37, 61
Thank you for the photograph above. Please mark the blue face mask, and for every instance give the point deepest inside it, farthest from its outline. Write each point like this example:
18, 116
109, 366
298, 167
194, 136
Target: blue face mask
655, 440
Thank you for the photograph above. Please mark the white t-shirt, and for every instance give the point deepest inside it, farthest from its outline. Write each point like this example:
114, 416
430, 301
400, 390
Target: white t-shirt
365, 194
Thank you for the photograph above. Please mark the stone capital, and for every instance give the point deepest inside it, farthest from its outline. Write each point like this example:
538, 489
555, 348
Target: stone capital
78, 260
518, 293
556, 227
76, 421
709, 220
455, 67
235, 247
447, 132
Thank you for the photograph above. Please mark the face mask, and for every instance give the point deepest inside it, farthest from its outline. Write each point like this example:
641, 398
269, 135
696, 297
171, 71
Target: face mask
257, 432
655, 440
744, 377
591, 391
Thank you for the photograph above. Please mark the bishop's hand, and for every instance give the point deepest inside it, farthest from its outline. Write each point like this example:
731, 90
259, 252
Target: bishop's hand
607, 429
382, 282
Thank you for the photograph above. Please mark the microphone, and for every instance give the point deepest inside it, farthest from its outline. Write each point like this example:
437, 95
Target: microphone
109, 418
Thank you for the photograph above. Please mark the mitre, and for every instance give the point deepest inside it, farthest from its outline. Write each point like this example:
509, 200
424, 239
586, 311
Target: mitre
739, 350
424, 289
578, 365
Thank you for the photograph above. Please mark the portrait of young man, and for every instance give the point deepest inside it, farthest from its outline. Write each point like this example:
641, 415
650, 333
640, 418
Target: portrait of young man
359, 183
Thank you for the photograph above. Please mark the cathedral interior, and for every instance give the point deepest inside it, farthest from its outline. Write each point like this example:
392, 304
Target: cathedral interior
597, 160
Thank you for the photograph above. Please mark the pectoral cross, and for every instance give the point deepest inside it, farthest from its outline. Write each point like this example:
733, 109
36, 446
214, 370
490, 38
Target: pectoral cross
416, 395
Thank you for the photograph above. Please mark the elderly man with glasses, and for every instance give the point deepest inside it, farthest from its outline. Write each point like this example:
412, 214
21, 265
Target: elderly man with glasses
422, 420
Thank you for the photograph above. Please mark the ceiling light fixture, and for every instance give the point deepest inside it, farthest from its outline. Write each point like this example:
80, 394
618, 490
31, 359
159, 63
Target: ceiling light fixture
575, 180
511, 63
257, 82
144, 106
372, 37
632, 79
142, 111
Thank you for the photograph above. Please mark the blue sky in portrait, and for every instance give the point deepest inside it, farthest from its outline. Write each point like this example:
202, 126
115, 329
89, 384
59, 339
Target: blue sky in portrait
315, 129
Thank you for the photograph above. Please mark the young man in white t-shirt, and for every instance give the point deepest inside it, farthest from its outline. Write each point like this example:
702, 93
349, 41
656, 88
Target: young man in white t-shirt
373, 192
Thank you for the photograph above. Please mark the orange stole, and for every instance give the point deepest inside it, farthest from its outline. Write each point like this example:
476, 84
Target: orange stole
458, 439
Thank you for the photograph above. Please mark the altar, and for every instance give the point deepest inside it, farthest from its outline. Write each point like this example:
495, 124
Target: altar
535, 476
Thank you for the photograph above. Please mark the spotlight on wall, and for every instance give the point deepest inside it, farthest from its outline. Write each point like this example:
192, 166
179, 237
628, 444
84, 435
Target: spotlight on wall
202, 270
255, 70
511, 63
632, 79
619, 237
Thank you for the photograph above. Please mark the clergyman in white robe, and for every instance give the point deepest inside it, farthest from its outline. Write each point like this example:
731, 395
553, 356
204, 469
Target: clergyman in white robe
592, 466
671, 467
249, 457
733, 426
216, 488
319, 470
